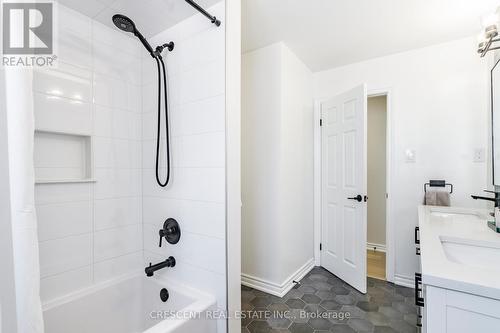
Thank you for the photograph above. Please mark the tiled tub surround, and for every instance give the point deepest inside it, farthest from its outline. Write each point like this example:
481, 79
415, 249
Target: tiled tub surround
106, 88
90, 232
196, 195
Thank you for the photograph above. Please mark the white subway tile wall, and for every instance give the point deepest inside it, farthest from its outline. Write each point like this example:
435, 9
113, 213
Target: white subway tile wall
106, 88
196, 195
90, 232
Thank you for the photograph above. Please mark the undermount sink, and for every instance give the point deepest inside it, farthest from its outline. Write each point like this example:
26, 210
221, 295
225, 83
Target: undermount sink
439, 213
471, 253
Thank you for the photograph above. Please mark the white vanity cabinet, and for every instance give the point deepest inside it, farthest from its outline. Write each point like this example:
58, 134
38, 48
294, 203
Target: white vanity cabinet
449, 311
458, 287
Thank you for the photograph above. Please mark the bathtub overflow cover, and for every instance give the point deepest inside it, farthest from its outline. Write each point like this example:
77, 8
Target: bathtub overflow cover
164, 295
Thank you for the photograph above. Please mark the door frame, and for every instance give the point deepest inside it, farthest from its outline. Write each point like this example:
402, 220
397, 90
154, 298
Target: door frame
389, 227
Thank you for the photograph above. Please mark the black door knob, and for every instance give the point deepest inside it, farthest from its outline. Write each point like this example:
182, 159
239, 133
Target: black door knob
358, 198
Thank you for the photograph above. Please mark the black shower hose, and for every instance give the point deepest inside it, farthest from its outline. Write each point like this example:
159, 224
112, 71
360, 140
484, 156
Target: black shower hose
167, 137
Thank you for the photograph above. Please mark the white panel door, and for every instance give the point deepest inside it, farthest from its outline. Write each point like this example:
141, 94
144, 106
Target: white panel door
343, 186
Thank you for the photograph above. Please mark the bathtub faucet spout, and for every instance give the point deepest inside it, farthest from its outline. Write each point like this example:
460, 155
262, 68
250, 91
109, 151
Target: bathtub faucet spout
151, 269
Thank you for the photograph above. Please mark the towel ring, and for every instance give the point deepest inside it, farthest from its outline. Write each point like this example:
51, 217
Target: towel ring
438, 183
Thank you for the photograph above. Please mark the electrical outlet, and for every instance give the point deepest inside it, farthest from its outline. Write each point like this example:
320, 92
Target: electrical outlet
479, 155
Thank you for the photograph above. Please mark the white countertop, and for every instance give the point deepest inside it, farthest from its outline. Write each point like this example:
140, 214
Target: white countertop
450, 223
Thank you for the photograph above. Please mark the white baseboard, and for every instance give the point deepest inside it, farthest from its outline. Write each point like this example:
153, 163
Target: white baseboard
379, 247
274, 288
405, 281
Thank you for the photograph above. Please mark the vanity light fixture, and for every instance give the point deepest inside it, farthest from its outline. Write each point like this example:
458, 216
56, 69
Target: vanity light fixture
489, 34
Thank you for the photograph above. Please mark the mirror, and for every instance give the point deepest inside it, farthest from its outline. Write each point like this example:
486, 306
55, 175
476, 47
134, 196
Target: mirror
495, 116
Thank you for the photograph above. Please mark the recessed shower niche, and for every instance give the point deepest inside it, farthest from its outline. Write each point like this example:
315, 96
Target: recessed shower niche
62, 157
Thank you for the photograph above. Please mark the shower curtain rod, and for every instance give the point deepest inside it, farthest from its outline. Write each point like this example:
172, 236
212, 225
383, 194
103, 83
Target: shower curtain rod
212, 19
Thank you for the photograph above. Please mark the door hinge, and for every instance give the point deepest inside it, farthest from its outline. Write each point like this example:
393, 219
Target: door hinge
321, 122
320, 246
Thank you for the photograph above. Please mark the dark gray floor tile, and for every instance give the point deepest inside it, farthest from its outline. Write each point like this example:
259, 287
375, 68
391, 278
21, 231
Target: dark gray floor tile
246, 306
300, 328
306, 281
367, 306
311, 299
377, 319
278, 307
260, 301
381, 300
354, 311
294, 293
340, 290
320, 323
406, 292
361, 325
245, 321
279, 322
318, 277
324, 303
384, 329
402, 326
259, 326
345, 299
321, 285
326, 295
404, 308
295, 303
390, 312
410, 318
342, 328
306, 289
314, 308
275, 299
330, 305
247, 295
299, 316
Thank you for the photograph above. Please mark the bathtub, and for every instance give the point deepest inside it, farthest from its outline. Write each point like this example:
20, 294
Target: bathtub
129, 305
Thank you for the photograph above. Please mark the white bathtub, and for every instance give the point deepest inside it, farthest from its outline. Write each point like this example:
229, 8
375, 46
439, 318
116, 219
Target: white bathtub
130, 305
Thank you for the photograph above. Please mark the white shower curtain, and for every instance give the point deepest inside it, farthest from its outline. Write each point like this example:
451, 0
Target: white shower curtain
20, 122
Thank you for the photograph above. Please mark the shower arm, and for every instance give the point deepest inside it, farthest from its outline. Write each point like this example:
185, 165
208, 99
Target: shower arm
212, 19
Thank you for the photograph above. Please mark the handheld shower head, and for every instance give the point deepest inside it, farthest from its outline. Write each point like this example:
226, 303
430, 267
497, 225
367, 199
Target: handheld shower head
124, 23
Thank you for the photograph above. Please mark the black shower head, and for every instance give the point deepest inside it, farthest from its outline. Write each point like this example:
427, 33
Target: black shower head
124, 23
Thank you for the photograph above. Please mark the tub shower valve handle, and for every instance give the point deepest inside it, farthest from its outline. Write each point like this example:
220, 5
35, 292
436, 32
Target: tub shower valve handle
170, 231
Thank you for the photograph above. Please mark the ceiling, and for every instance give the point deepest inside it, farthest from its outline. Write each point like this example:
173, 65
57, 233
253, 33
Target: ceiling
150, 16
332, 33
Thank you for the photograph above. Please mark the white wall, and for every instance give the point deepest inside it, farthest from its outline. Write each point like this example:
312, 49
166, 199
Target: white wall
376, 152
233, 161
277, 216
90, 232
8, 313
439, 109
196, 195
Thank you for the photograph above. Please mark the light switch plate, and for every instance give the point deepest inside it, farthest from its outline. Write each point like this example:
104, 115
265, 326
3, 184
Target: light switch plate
410, 156
479, 155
